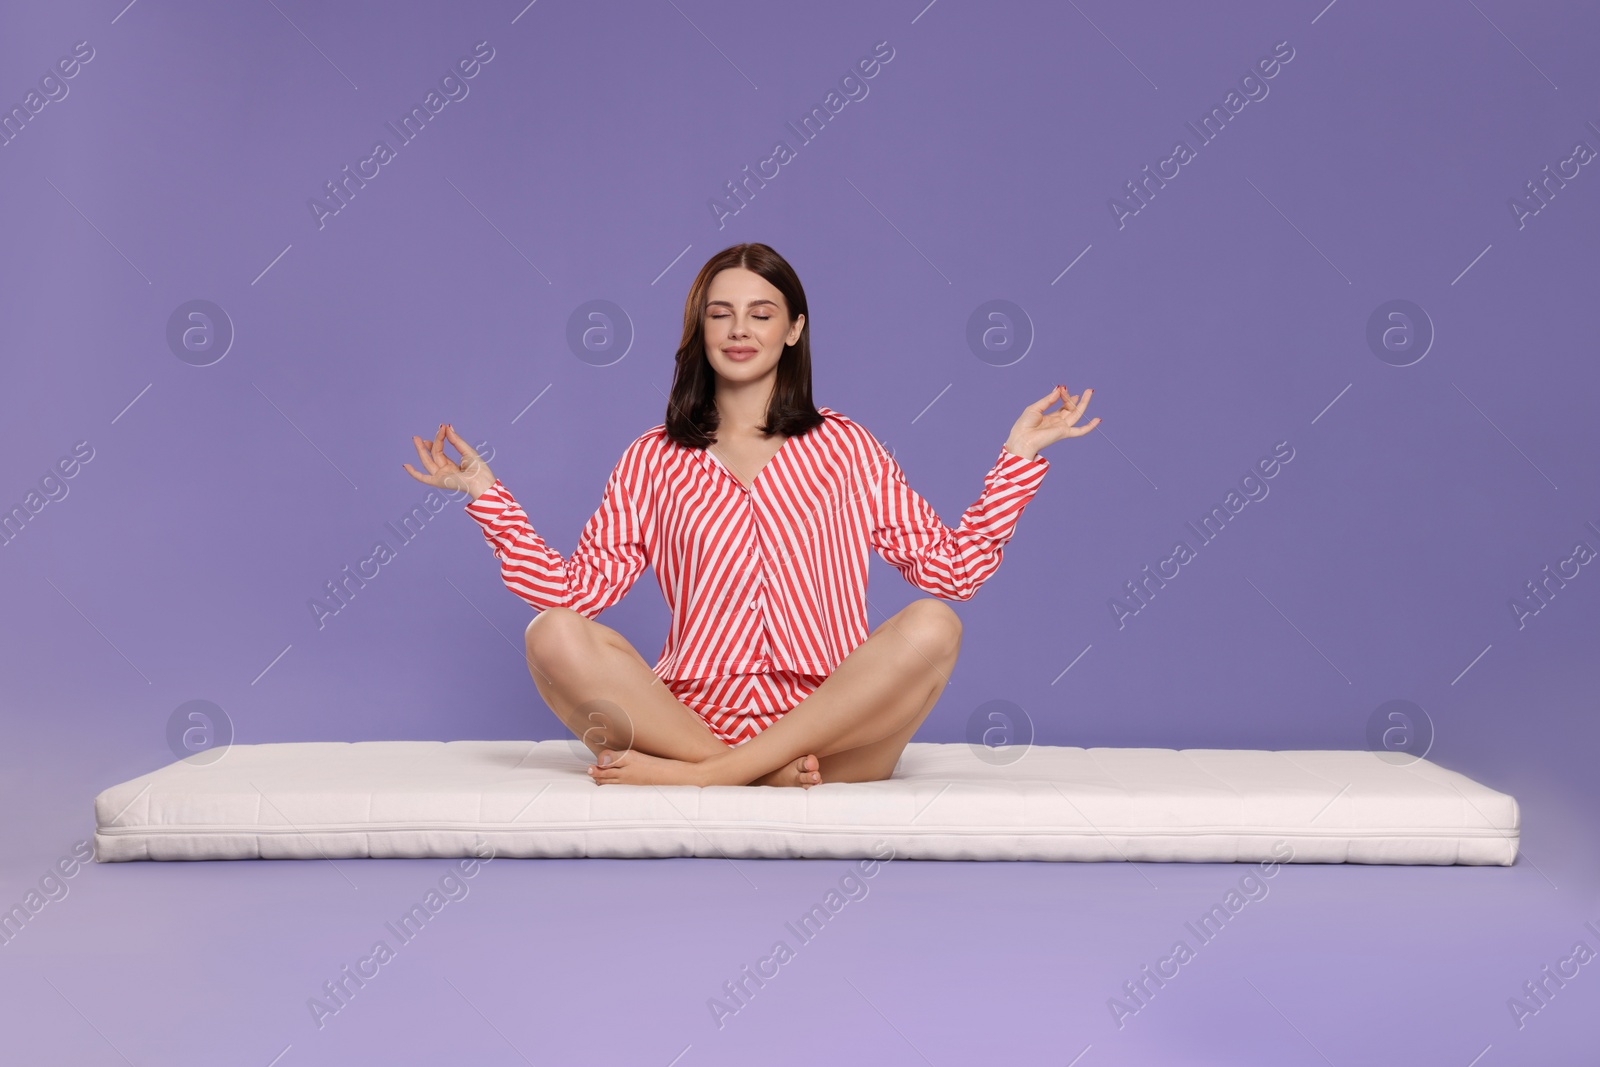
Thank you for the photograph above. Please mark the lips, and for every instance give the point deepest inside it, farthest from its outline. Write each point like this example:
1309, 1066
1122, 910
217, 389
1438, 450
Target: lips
739, 355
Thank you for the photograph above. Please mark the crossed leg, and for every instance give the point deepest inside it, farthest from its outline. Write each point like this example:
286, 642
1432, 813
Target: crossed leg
857, 722
602, 689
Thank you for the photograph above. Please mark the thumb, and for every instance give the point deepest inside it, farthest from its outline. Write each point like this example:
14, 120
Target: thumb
466, 450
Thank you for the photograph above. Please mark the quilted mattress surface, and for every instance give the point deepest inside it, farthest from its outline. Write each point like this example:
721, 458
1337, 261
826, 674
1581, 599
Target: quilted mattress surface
313, 800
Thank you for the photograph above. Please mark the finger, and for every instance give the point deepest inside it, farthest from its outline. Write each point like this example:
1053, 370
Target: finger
438, 448
466, 450
430, 460
425, 455
1044, 401
424, 479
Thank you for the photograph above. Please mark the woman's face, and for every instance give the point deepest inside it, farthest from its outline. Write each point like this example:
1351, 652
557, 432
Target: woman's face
747, 325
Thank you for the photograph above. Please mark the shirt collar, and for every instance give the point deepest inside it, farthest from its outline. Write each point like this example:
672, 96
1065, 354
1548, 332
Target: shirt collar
710, 463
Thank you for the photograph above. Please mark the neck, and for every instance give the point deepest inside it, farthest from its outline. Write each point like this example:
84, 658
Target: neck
743, 405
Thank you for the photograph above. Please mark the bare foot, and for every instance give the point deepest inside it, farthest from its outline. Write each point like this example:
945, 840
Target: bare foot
633, 767
638, 768
805, 772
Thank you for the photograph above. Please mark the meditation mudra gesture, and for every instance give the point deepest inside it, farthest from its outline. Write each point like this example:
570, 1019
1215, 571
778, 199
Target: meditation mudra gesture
756, 510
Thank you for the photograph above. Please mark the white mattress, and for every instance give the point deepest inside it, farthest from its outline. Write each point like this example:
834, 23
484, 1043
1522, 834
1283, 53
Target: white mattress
313, 800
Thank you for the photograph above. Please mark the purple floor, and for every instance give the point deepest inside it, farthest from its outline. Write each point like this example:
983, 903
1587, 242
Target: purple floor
546, 962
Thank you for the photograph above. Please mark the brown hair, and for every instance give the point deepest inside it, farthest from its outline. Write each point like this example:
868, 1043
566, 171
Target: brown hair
692, 416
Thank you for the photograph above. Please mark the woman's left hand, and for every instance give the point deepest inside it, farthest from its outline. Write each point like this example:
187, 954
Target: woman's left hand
1035, 429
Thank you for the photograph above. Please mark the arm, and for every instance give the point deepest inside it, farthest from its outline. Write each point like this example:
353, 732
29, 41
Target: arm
952, 564
610, 555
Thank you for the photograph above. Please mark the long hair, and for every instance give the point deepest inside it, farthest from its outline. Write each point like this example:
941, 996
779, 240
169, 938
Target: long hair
692, 417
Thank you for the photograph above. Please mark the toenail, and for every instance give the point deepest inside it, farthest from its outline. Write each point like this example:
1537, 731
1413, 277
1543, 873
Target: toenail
605, 761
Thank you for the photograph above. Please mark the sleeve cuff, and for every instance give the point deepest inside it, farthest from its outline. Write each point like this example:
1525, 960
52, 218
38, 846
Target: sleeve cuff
491, 503
1018, 469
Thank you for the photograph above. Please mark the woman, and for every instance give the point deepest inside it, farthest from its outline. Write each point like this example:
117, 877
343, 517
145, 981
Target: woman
757, 510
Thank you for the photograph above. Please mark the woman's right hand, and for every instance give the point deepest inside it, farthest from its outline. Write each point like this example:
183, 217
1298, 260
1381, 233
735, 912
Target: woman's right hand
471, 475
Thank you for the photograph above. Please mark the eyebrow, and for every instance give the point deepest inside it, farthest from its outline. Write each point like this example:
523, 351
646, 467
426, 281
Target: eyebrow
729, 304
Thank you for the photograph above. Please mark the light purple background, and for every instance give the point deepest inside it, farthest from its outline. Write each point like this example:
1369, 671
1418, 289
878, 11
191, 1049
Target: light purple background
1228, 315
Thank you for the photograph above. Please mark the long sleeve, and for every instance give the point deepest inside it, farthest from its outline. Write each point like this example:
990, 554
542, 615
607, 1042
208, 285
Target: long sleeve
610, 555
951, 564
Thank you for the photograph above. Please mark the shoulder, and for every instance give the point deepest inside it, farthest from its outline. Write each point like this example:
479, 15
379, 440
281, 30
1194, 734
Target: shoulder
849, 433
644, 452
837, 424
653, 438
653, 443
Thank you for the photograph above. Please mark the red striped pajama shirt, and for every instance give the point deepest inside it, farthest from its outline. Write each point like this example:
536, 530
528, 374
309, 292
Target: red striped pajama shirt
768, 585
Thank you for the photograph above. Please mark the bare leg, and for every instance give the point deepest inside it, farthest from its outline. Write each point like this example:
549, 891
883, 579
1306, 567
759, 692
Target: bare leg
860, 717
602, 689
875, 762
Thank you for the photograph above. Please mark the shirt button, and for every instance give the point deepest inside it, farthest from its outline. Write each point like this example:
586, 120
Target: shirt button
752, 605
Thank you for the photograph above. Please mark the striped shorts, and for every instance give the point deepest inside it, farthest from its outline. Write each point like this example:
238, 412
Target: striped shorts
739, 706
